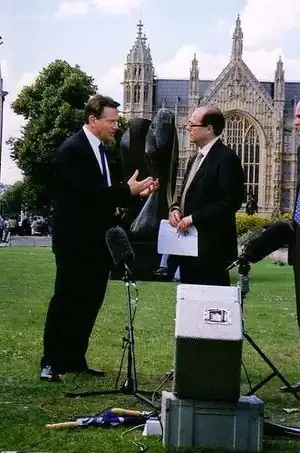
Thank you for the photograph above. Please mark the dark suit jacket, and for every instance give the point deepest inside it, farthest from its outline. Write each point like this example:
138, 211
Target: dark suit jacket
294, 242
83, 206
213, 198
294, 257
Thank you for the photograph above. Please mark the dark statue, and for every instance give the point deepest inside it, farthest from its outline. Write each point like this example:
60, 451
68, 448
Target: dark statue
152, 148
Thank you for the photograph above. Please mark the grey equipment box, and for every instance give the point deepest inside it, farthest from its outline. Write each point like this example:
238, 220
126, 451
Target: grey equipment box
208, 343
229, 426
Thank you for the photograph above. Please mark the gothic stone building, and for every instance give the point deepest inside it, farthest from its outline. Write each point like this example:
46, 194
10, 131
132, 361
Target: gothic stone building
259, 116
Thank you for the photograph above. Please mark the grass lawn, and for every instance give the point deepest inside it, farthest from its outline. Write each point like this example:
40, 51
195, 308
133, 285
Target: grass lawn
26, 404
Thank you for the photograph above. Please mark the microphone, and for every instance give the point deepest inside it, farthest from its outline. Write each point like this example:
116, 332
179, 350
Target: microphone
119, 247
273, 238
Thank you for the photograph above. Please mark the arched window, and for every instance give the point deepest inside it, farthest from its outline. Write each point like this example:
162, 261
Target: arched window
137, 93
243, 137
146, 94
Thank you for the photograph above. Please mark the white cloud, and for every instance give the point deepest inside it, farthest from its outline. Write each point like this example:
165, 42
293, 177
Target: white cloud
117, 6
5, 72
222, 24
27, 78
11, 128
179, 66
261, 62
267, 21
110, 83
109, 7
72, 8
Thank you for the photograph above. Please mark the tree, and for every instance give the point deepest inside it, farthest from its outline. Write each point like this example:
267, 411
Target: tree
53, 109
12, 199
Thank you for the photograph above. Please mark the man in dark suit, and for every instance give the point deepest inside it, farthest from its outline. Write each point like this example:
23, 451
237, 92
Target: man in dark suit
212, 193
86, 196
294, 245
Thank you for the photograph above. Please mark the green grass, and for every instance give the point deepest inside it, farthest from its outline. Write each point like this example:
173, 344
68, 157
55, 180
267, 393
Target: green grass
26, 404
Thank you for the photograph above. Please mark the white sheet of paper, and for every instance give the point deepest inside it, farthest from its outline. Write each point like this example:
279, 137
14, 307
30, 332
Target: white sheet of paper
173, 243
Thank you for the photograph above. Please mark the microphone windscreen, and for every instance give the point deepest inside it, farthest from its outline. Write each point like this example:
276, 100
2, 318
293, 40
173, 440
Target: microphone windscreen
119, 246
277, 235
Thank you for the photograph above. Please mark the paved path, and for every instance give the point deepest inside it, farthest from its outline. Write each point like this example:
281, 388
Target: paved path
29, 241
279, 255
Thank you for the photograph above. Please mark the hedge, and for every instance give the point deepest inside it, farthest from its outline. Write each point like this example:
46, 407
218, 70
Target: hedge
247, 223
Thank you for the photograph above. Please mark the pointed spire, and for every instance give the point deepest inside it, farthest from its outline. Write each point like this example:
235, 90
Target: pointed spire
194, 62
194, 88
237, 41
194, 71
279, 85
139, 26
279, 68
279, 72
140, 52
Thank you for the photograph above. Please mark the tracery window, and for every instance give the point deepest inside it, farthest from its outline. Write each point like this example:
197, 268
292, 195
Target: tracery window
243, 137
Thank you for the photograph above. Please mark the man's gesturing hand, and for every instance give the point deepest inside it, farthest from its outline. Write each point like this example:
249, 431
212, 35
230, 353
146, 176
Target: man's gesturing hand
144, 187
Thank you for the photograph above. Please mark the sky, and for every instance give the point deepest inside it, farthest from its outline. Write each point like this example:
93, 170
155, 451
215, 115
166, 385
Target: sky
97, 35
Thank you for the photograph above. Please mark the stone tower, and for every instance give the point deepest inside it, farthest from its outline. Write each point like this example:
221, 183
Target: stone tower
194, 86
138, 79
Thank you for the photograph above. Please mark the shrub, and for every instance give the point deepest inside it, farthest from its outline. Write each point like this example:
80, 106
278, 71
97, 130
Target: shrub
249, 227
285, 216
246, 222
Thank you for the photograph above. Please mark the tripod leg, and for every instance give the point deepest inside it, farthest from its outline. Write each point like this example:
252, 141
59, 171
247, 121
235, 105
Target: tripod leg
275, 370
130, 384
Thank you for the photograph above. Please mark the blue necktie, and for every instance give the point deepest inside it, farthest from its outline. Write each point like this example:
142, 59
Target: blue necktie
296, 217
103, 162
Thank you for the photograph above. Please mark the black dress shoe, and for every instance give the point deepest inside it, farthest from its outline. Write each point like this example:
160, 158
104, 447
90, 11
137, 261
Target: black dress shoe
48, 373
286, 389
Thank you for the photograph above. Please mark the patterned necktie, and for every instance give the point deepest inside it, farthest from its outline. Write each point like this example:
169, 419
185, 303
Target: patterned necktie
190, 178
296, 216
103, 162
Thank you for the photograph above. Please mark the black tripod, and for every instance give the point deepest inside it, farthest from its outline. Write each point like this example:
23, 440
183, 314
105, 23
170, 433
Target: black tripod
244, 269
130, 385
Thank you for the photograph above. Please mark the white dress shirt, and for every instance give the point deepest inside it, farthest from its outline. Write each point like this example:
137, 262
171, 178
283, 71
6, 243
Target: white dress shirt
205, 150
95, 142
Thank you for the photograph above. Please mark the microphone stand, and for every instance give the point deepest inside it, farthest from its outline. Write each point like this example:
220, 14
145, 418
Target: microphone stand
243, 270
130, 384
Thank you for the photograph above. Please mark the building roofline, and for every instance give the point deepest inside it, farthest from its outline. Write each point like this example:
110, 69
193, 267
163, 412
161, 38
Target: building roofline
211, 80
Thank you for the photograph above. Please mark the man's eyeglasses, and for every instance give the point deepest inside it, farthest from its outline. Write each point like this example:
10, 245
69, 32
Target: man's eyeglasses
195, 125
